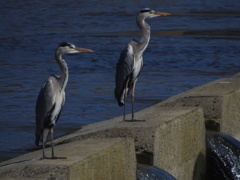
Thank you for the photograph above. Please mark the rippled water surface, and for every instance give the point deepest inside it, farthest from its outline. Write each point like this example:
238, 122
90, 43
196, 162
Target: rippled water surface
198, 43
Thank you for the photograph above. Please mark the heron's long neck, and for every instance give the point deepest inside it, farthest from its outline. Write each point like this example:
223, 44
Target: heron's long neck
64, 71
146, 34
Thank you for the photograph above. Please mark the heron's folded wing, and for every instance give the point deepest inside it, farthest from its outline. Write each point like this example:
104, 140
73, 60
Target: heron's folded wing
45, 102
124, 70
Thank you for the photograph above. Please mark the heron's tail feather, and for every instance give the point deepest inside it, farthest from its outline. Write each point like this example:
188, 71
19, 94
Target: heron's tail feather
38, 140
120, 97
120, 103
41, 137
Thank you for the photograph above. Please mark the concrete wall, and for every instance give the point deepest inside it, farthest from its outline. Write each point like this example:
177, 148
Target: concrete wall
220, 101
180, 145
172, 138
91, 159
231, 113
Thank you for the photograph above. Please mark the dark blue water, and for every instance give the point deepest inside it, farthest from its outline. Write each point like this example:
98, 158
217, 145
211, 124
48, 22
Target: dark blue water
223, 157
146, 172
198, 43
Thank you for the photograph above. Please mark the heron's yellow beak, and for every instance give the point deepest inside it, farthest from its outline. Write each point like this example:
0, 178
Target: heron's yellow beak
161, 14
83, 50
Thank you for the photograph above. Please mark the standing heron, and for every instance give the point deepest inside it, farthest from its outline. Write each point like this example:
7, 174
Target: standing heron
130, 62
52, 97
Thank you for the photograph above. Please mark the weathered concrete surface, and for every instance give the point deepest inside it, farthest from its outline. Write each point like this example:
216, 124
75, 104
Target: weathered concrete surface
102, 159
180, 146
220, 101
175, 137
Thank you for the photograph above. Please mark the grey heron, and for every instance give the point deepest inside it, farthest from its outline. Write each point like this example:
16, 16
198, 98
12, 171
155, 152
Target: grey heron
130, 62
52, 97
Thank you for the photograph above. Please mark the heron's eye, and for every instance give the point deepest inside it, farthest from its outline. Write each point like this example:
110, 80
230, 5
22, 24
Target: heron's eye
151, 12
71, 47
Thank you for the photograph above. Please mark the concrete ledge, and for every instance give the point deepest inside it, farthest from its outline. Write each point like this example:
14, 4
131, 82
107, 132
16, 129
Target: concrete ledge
173, 137
180, 145
102, 159
220, 101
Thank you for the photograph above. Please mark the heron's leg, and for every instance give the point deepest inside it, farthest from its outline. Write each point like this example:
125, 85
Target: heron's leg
125, 101
44, 156
133, 91
51, 134
53, 156
43, 147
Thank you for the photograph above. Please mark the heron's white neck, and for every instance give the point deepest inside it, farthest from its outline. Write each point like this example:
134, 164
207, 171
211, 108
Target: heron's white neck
64, 71
146, 35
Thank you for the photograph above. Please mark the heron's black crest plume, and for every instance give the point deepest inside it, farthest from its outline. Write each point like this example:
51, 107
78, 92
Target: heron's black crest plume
145, 10
64, 44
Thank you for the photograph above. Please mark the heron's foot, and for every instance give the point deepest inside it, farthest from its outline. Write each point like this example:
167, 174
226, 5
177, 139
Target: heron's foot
44, 157
133, 120
54, 157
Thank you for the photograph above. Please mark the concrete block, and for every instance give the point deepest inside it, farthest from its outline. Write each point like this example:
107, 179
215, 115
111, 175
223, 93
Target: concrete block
91, 159
220, 101
231, 113
173, 137
180, 145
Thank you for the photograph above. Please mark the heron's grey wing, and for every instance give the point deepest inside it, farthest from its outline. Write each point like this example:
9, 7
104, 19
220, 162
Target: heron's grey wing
44, 106
124, 70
